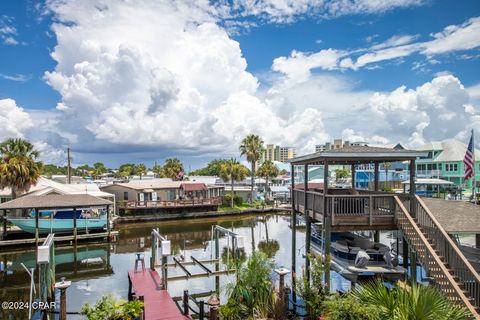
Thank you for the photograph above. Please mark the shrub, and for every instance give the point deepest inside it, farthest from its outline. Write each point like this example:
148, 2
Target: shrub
349, 308
109, 308
227, 200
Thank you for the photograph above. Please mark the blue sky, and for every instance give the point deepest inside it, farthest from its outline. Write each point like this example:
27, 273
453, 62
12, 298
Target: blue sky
121, 83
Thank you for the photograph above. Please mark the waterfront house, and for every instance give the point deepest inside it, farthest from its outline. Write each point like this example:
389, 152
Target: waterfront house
445, 161
157, 195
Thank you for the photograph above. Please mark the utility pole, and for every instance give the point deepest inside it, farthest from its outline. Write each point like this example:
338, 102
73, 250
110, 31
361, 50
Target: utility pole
69, 168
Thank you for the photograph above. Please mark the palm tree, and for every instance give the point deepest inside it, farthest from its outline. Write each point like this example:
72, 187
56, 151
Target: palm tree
416, 302
98, 169
157, 169
18, 166
268, 170
140, 169
252, 148
232, 171
173, 169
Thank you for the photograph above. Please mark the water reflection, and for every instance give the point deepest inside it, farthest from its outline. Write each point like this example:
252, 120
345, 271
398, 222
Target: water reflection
98, 269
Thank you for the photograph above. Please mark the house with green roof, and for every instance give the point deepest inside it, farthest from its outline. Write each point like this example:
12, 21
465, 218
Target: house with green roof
445, 161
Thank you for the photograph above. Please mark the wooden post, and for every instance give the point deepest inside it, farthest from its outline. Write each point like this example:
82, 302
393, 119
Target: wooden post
326, 225
153, 258
4, 233
308, 222
164, 272
36, 227
75, 225
375, 179
376, 236
108, 222
129, 289
405, 253
217, 262
201, 313
477, 240
413, 266
412, 187
294, 226
328, 237
353, 177
185, 302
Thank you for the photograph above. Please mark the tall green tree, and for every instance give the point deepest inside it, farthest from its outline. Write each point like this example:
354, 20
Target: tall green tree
157, 169
173, 169
268, 170
125, 170
84, 170
252, 148
140, 170
212, 168
19, 168
98, 169
232, 171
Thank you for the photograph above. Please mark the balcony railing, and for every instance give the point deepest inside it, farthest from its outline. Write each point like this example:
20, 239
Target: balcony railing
214, 201
371, 208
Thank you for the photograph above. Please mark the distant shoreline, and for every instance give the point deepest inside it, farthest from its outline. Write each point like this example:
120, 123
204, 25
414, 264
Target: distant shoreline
195, 215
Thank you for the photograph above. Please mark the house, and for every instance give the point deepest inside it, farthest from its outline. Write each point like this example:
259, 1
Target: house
159, 194
445, 161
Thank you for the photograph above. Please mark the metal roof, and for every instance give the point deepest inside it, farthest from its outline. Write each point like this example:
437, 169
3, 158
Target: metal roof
55, 201
358, 154
431, 181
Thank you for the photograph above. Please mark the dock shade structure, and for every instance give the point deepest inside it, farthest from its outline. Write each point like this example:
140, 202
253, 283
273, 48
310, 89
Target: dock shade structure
344, 209
55, 201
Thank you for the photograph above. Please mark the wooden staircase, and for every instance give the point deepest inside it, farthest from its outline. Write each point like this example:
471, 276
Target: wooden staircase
439, 255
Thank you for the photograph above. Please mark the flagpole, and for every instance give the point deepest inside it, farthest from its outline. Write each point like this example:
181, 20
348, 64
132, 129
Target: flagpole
474, 187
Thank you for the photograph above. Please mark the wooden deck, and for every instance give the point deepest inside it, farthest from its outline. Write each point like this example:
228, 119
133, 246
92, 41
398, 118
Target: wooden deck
159, 305
350, 211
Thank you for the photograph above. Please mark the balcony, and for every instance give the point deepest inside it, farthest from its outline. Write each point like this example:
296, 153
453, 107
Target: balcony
349, 209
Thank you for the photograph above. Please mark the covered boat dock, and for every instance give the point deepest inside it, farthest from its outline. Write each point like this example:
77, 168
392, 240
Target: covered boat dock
54, 201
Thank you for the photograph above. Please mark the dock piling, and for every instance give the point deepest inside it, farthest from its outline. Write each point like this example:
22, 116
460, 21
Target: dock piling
185, 302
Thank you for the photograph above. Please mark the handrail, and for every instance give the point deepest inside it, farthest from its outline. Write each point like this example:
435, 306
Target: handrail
440, 264
450, 251
170, 203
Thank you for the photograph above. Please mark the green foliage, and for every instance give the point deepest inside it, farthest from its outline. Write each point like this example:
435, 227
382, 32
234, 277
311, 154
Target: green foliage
237, 200
18, 166
387, 189
140, 170
283, 172
212, 168
233, 171
252, 147
270, 247
51, 169
108, 308
341, 173
313, 293
349, 308
173, 169
417, 302
251, 297
125, 170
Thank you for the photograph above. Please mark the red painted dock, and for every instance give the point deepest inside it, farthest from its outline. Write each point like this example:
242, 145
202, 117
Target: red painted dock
158, 302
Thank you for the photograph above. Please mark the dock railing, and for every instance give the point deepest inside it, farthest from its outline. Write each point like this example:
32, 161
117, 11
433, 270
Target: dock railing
214, 201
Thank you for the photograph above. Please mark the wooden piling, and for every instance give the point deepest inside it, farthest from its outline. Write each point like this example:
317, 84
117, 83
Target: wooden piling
75, 225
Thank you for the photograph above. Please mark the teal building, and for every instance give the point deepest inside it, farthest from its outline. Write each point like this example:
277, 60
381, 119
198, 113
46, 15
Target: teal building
445, 161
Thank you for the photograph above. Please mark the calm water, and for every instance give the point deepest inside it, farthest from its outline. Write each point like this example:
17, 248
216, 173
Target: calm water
98, 269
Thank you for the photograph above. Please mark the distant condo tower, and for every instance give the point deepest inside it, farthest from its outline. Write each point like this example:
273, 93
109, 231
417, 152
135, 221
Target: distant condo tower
337, 144
277, 153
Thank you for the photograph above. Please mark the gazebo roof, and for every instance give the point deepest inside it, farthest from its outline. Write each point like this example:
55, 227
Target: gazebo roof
358, 154
55, 201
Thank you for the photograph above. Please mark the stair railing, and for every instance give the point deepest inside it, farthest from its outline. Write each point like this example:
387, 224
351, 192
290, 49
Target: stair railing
429, 258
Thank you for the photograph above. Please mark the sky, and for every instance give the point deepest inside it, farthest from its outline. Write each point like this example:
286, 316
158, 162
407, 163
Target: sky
141, 81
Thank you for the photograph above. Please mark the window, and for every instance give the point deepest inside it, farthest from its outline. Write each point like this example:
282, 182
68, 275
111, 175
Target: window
125, 195
451, 167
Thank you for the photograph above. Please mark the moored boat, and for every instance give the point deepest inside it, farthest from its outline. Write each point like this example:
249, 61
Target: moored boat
61, 221
355, 257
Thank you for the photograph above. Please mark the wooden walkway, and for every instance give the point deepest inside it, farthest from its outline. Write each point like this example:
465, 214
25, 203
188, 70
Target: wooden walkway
158, 303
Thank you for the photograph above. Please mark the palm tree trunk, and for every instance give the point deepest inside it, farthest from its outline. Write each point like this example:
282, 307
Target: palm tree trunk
14, 193
253, 180
266, 188
232, 193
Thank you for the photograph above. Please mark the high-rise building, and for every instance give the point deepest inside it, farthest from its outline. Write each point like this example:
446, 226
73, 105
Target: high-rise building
277, 153
337, 144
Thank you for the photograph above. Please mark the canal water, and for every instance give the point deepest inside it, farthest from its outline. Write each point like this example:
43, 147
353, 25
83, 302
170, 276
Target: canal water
99, 269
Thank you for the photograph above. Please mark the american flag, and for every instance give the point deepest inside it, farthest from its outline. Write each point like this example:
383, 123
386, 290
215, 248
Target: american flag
468, 161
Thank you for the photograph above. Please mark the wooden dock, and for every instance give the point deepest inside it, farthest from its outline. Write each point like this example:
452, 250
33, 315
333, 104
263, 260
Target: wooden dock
159, 305
80, 237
